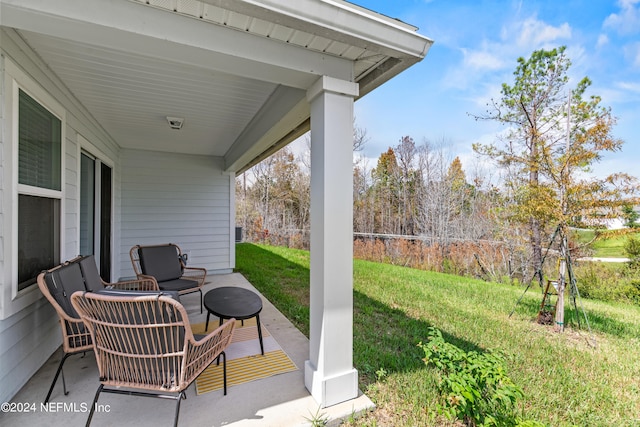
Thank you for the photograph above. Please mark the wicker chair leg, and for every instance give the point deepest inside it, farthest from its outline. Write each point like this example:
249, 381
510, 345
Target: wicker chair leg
55, 378
64, 383
179, 399
224, 370
93, 405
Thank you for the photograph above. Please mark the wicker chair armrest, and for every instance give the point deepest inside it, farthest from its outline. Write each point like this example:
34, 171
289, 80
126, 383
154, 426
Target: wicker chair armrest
75, 335
142, 283
201, 353
73, 323
195, 273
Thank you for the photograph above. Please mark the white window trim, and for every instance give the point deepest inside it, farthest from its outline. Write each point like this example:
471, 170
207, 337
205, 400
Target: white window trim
12, 300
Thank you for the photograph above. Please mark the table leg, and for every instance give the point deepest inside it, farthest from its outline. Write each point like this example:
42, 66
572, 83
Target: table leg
260, 333
206, 325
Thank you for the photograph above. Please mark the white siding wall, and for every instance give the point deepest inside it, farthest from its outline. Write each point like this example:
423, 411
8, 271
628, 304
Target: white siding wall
176, 198
29, 331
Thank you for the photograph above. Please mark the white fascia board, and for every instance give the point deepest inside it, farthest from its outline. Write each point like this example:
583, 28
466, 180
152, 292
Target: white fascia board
338, 20
139, 29
285, 110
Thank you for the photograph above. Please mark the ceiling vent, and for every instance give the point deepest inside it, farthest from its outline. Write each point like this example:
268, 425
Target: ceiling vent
175, 122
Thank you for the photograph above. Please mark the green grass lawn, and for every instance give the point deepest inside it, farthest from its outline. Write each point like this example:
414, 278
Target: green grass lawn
565, 380
608, 245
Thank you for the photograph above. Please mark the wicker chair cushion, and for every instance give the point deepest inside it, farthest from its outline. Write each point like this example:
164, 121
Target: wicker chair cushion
178, 285
63, 282
160, 262
127, 293
92, 279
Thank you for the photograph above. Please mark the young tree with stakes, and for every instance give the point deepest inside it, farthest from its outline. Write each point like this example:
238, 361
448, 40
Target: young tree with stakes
554, 136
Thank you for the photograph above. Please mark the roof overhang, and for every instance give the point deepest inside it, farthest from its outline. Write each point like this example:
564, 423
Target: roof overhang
237, 71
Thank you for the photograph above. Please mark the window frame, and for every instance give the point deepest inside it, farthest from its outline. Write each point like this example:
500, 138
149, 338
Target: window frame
15, 79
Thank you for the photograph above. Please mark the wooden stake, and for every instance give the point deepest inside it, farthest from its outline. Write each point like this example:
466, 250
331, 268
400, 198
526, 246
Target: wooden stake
562, 281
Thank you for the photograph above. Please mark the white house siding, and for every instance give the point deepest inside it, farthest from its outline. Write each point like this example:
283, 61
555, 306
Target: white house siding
29, 329
177, 198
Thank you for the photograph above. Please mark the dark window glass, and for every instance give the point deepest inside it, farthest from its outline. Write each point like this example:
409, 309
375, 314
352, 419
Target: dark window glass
87, 204
38, 237
39, 145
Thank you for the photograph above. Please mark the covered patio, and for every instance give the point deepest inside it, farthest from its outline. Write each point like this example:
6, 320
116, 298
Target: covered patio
150, 109
281, 400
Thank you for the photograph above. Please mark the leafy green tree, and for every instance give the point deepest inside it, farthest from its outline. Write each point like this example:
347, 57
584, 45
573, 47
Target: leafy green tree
630, 216
456, 175
386, 188
461, 193
632, 249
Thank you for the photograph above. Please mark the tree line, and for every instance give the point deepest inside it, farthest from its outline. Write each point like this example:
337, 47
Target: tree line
418, 207
414, 207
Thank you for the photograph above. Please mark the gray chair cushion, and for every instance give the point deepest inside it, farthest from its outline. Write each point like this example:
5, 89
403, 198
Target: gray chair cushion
128, 293
178, 285
63, 282
90, 273
160, 262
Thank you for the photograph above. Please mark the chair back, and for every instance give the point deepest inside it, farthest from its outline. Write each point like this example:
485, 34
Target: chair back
139, 341
58, 284
161, 261
90, 274
166, 266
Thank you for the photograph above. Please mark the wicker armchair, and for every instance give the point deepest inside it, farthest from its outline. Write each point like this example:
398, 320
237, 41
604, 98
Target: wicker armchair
145, 343
166, 264
57, 285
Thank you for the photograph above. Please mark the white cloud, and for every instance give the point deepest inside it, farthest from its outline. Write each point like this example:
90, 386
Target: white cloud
482, 60
535, 33
603, 40
621, 96
629, 86
627, 21
487, 59
615, 163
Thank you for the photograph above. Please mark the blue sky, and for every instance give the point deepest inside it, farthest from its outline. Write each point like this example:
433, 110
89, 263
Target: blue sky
476, 46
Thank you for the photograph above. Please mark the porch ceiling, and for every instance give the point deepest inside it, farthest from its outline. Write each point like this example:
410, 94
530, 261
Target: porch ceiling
236, 71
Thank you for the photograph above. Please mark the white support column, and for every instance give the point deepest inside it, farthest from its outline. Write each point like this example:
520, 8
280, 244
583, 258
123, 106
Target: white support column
329, 372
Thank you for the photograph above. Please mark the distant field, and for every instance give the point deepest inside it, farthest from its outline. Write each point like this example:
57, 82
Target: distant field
608, 245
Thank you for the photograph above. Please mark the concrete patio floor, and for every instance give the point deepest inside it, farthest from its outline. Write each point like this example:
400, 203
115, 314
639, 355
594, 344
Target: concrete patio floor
281, 400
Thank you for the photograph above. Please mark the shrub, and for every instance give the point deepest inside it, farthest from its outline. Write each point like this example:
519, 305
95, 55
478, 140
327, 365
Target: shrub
597, 280
632, 249
475, 386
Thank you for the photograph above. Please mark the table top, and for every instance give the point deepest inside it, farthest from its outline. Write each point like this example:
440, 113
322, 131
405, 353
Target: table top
231, 301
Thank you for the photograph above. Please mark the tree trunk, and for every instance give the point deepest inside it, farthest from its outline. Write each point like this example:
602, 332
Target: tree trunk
534, 180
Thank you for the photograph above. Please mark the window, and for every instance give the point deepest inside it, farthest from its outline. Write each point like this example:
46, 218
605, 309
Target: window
39, 189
